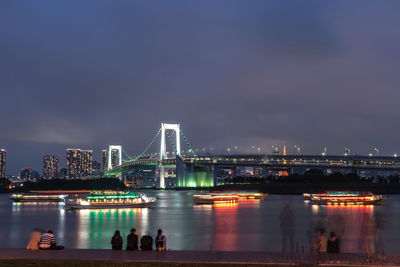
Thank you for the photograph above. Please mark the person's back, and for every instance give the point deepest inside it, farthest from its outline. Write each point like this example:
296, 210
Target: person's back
116, 241
333, 244
47, 241
146, 242
132, 240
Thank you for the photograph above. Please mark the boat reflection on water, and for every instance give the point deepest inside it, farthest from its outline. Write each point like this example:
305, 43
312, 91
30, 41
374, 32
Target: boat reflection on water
100, 224
226, 232
359, 228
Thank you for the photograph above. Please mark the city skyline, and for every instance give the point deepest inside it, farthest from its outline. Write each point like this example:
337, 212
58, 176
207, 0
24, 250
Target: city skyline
314, 74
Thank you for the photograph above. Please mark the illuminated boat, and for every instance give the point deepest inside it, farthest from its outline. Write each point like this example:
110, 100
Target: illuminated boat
242, 195
51, 198
110, 199
307, 196
226, 197
214, 199
347, 198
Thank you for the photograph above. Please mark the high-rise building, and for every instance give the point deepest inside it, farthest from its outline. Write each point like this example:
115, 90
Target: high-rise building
104, 160
96, 167
26, 173
3, 153
86, 162
114, 158
73, 163
50, 166
63, 173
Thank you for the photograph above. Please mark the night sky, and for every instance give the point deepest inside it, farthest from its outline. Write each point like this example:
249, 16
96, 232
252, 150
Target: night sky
232, 73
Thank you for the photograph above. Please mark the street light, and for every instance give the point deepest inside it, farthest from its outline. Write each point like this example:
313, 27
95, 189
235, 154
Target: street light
297, 147
324, 152
346, 151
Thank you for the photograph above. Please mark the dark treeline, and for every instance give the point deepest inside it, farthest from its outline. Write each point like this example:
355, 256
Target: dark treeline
314, 180
5, 185
61, 184
314, 176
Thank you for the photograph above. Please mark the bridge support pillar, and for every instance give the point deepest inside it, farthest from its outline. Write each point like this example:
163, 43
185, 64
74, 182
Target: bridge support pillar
265, 172
215, 174
162, 176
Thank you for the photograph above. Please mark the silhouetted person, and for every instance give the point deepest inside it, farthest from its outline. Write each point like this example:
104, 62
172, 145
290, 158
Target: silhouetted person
287, 228
366, 240
116, 241
47, 241
333, 244
160, 241
132, 240
146, 242
379, 226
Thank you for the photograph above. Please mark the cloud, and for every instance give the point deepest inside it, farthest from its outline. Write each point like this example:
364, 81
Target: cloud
232, 73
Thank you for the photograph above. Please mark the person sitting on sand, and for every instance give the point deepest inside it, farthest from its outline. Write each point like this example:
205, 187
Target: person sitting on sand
35, 239
116, 241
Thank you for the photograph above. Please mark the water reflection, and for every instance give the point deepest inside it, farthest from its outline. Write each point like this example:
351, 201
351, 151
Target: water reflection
286, 222
248, 225
225, 226
95, 227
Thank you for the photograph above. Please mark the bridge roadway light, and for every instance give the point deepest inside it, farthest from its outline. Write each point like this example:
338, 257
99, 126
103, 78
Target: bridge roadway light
395, 155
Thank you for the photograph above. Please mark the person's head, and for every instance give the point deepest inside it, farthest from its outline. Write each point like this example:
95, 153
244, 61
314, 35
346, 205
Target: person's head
322, 231
133, 231
50, 232
159, 232
333, 234
117, 233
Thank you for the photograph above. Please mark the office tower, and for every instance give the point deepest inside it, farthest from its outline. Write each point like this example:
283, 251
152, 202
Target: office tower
3, 153
96, 167
26, 173
50, 166
73, 163
104, 160
86, 162
114, 157
63, 173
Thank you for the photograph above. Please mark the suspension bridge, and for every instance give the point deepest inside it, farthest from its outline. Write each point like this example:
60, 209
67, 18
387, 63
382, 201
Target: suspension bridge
190, 169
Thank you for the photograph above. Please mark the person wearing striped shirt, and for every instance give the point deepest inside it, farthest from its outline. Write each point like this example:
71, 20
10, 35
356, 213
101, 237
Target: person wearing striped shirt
47, 240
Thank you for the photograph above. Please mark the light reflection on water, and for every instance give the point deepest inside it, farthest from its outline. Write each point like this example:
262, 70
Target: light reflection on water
247, 225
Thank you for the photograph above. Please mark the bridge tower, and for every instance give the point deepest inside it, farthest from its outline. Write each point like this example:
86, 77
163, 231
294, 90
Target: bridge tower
163, 149
112, 148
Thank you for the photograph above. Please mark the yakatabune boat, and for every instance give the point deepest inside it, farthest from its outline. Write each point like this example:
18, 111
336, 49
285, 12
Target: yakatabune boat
347, 198
110, 199
38, 198
225, 197
242, 194
214, 199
